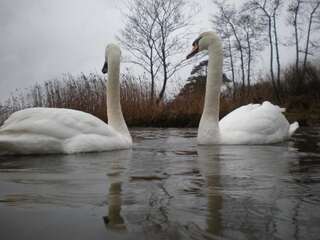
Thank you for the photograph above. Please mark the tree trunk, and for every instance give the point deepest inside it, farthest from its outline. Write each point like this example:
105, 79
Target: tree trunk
232, 67
271, 58
308, 36
241, 56
277, 53
152, 74
295, 23
165, 74
249, 63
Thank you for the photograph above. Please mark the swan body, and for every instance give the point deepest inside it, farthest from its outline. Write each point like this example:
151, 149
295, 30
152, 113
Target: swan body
255, 124
249, 124
58, 130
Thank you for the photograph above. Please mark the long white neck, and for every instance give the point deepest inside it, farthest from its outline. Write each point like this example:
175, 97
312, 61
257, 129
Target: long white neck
208, 132
115, 116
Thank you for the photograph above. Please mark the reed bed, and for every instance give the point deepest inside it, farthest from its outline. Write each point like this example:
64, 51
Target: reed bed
299, 94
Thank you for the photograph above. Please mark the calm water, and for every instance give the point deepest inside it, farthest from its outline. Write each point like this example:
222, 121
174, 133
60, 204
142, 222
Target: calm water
166, 188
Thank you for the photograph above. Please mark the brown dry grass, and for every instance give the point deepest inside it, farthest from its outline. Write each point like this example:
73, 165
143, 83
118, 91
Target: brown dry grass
300, 95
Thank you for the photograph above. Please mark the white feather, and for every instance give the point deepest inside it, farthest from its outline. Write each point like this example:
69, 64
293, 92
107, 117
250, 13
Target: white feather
57, 130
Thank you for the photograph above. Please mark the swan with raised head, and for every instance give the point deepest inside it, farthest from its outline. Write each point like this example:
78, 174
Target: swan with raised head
249, 124
57, 130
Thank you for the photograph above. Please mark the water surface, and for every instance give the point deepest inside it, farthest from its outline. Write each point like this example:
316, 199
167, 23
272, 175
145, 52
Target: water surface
166, 187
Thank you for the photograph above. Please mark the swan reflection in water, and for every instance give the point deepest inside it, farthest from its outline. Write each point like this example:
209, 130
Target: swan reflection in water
250, 191
209, 166
116, 176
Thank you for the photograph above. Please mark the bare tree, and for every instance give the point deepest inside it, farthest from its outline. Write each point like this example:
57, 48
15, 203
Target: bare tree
276, 5
252, 29
154, 35
246, 23
314, 8
304, 11
137, 38
294, 10
268, 9
170, 37
227, 17
226, 35
243, 37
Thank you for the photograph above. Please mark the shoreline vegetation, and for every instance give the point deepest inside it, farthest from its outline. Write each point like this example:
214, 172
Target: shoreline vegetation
300, 96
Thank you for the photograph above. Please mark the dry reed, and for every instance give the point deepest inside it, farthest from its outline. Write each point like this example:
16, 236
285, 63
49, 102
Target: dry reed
300, 95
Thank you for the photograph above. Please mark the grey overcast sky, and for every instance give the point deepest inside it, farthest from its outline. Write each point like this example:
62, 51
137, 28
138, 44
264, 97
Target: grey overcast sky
42, 39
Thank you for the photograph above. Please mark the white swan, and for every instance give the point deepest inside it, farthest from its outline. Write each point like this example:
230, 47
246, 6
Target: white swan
250, 124
54, 130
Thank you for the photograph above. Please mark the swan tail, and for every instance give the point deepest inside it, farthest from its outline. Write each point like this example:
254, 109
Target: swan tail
293, 128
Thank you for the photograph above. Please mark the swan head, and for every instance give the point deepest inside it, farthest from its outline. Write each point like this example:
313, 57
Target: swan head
111, 50
203, 42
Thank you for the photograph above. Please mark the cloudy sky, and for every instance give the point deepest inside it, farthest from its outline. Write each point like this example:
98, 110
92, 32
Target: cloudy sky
42, 39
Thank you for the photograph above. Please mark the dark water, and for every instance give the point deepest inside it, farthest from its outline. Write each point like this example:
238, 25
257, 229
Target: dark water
166, 188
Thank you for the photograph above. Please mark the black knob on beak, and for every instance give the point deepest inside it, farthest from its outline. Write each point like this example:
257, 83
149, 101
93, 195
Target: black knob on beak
105, 68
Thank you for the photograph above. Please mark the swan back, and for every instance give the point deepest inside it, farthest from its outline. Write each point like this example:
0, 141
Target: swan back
255, 124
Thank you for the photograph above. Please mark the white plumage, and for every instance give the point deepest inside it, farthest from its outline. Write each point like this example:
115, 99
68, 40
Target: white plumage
255, 124
250, 124
57, 130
